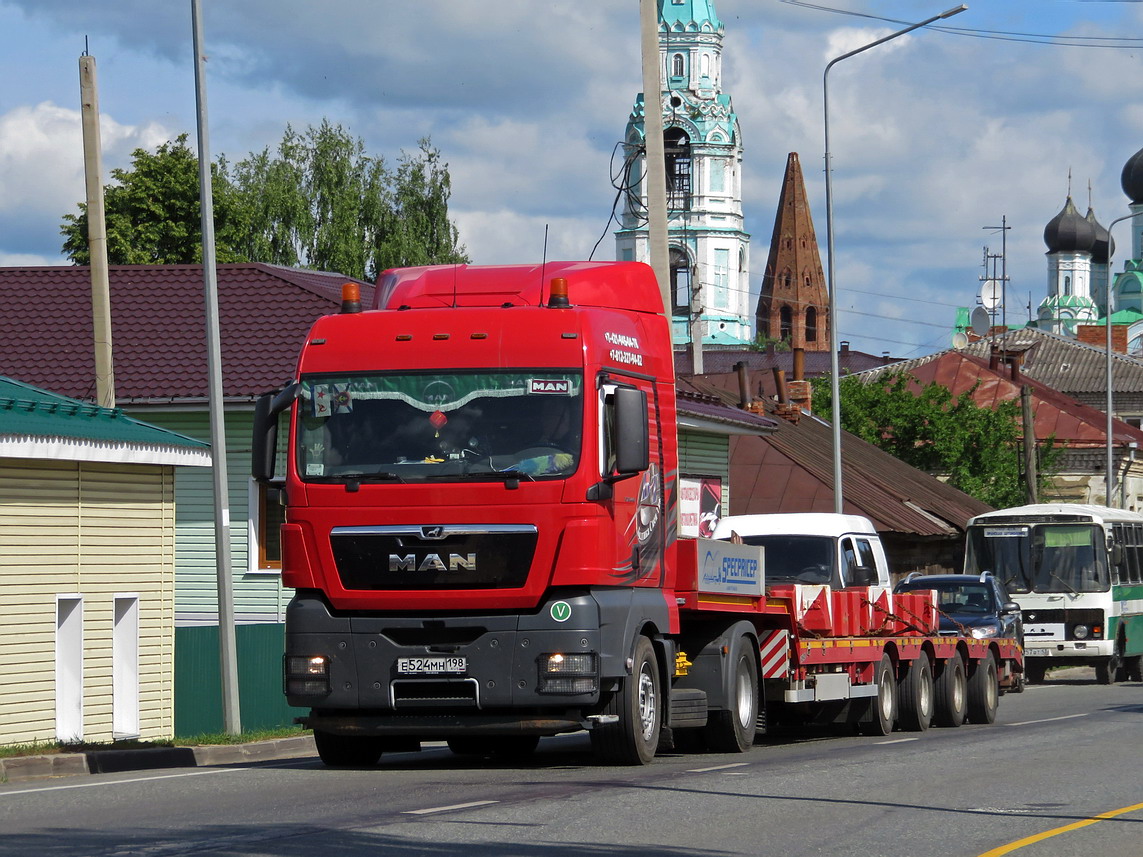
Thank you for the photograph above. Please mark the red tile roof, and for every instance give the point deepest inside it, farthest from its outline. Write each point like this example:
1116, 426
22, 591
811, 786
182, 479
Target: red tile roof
158, 327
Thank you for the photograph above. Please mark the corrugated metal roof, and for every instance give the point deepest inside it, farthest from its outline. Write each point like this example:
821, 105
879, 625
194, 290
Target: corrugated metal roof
791, 470
158, 324
29, 415
1056, 361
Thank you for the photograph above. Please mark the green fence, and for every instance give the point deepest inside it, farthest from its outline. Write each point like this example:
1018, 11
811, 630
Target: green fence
198, 682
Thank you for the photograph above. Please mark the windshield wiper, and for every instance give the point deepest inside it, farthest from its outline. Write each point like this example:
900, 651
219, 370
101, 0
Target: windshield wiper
1063, 582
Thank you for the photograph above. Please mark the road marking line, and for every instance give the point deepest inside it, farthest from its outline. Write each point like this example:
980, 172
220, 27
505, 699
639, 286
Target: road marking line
448, 808
120, 782
1067, 828
895, 741
1047, 720
717, 768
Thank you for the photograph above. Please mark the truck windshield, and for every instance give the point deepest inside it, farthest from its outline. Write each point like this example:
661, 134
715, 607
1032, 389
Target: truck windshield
797, 559
420, 426
1040, 557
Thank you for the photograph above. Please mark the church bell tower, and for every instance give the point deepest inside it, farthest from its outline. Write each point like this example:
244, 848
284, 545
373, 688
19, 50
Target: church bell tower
709, 250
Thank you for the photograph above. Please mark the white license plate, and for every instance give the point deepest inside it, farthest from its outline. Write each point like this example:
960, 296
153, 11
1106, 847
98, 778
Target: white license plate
432, 666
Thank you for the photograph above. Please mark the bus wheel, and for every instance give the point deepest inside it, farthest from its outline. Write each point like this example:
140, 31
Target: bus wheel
915, 696
638, 706
348, 751
883, 711
1133, 666
732, 730
950, 693
1103, 672
983, 692
1035, 672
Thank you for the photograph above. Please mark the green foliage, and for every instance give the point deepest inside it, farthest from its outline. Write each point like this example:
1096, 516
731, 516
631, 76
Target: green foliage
978, 449
152, 212
318, 201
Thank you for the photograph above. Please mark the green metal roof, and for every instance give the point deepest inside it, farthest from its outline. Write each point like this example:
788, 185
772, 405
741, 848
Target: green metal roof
27, 412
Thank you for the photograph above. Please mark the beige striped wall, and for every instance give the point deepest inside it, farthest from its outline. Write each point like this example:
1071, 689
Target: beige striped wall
94, 530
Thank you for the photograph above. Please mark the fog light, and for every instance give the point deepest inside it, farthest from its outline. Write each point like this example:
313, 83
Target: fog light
307, 675
571, 673
1080, 632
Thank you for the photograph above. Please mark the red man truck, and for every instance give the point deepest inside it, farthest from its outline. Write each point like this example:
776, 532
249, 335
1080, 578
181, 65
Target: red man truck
480, 489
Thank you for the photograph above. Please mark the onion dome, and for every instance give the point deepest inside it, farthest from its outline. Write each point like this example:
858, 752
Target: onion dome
1069, 231
1132, 178
1104, 246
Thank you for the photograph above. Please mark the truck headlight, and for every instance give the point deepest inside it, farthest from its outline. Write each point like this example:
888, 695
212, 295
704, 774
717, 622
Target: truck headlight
1080, 632
568, 673
307, 675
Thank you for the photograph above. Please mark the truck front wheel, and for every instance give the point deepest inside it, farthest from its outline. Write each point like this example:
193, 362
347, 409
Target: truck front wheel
638, 706
348, 751
732, 729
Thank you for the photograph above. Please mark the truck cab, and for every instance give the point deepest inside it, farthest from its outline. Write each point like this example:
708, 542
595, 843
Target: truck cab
839, 551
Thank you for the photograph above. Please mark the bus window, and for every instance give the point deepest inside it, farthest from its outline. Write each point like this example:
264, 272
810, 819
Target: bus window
1072, 559
1003, 550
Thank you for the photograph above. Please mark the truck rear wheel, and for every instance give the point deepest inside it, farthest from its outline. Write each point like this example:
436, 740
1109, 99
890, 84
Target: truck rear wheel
950, 693
983, 692
883, 708
638, 705
915, 696
732, 730
348, 751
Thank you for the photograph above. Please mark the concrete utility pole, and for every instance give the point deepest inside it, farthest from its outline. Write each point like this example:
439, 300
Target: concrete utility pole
227, 649
653, 143
96, 233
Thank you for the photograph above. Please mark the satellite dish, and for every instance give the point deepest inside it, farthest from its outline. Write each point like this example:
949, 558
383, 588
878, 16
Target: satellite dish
960, 339
981, 321
991, 294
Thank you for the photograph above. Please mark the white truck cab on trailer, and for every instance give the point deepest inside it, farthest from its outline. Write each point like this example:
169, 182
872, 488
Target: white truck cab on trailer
813, 547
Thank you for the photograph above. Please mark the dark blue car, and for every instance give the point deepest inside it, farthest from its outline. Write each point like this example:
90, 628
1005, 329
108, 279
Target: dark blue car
974, 606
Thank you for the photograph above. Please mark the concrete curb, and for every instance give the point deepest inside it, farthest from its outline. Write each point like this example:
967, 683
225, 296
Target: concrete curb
22, 768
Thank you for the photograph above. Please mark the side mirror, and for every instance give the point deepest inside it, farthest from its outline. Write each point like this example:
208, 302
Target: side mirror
632, 435
264, 439
1010, 607
1116, 553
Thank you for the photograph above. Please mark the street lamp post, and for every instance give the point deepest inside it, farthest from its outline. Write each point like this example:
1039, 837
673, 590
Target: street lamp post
1109, 478
832, 292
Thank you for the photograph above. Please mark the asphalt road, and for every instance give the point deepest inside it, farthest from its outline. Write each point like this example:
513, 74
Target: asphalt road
1034, 785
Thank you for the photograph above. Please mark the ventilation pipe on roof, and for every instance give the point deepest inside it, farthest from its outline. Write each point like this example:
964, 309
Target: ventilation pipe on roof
744, 397
799, 364
1016, 361
994, 359
780, 385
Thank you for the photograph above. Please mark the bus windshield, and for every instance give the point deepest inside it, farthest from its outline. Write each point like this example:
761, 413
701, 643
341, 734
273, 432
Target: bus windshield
1040, 557
421, 426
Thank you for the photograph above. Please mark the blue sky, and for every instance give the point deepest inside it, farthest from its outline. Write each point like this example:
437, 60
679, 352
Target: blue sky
934, 136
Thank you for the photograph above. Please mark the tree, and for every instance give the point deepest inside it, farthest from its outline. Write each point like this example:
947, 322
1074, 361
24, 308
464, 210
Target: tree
318, 201
978, 449
152, 212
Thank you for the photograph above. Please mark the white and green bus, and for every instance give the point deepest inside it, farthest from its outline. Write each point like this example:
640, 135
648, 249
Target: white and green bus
1077, 573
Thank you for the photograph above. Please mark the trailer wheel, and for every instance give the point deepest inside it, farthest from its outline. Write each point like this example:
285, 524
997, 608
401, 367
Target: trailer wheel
951, 693
348, 751
915, 696
732, 730
883, 710
983, 692
638, 705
